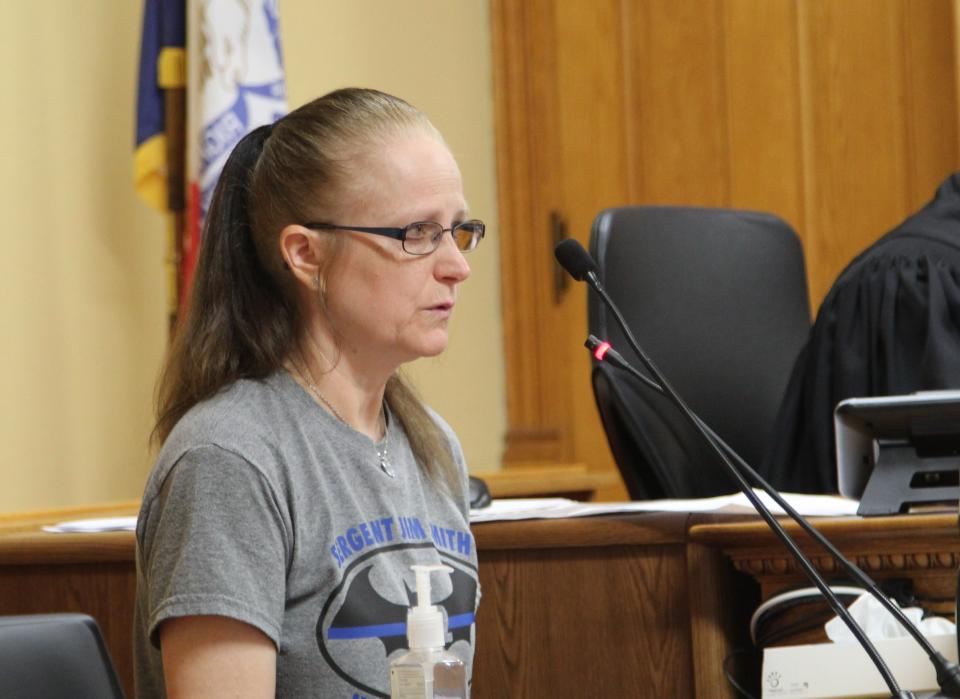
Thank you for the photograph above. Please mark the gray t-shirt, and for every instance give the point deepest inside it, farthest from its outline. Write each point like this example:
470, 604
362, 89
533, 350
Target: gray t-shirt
265, 508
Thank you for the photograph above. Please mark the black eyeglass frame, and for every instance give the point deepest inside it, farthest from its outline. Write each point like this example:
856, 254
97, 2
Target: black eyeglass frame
401, 233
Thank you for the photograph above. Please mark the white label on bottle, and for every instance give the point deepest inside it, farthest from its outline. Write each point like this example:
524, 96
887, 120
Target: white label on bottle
407, 682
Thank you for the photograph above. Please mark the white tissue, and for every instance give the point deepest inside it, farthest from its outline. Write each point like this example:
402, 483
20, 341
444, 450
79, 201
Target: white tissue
878, 623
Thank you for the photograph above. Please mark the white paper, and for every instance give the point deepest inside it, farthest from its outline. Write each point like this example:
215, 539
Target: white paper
554, 508
104, 524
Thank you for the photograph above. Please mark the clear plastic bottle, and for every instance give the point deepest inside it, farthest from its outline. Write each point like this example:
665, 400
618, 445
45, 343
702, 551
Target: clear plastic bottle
427, 671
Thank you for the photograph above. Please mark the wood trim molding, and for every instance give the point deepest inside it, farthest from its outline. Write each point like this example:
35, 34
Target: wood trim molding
540, 480
935, 559
956, 66
925, 545
532, 434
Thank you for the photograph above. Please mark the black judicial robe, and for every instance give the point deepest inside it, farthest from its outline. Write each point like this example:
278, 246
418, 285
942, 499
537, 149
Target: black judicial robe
889, 325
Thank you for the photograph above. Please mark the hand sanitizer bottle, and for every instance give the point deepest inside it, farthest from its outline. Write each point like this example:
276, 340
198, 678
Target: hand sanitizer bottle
427, 671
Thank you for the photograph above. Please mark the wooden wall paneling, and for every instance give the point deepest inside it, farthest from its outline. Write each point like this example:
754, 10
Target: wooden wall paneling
763, 103
955, 26
546, 78
592, 118
930, 97
593, 175
557, 109
880, 106
535, 429
677, 102
808, 182
856, 154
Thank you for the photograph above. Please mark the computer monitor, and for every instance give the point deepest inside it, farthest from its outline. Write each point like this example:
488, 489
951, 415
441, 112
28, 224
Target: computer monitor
896, 452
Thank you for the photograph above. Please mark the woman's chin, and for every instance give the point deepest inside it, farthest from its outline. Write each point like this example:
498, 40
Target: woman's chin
432, 346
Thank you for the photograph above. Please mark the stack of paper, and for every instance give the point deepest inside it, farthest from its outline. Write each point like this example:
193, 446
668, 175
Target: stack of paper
105, 524
550, 508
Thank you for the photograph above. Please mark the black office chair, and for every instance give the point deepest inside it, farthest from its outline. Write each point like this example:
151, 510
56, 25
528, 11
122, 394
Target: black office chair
718, 300
55, 656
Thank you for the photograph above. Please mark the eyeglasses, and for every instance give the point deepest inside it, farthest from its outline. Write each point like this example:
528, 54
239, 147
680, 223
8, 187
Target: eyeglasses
420, 238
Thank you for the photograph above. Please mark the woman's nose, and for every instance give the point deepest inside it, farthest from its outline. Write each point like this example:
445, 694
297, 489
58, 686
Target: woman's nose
451, 263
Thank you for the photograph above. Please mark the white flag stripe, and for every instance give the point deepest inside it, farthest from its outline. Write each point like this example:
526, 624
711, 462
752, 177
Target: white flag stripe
235, 81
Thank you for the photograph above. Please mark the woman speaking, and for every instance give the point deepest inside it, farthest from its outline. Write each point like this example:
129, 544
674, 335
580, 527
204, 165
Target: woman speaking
299, 476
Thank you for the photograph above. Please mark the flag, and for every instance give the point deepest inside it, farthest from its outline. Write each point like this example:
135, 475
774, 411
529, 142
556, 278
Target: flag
162, 66
226, 54
235, 84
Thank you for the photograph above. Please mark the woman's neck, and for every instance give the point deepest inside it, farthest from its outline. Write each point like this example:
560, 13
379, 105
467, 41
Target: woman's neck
353, 394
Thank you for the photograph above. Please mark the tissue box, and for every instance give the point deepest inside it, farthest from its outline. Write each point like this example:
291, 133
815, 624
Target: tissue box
834, 670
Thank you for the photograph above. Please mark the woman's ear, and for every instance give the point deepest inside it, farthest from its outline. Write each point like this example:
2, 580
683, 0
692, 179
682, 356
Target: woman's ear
301, 251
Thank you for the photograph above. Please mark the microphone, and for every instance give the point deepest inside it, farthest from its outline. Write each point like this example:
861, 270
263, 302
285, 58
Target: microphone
577, 261
573, 258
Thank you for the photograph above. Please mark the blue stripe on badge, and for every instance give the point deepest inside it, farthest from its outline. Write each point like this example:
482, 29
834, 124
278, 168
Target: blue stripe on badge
383, 630
375, 631
461, 620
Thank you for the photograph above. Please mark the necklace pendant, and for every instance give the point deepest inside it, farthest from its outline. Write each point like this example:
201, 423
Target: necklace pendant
384, 466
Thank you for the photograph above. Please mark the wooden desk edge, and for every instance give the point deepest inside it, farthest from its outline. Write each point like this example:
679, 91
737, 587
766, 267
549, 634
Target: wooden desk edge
23, 542
576, 532
545, 479
837, 529
34, 519
22, 547
30, 548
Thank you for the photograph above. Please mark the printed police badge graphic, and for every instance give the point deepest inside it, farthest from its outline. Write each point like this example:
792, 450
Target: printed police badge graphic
364, 621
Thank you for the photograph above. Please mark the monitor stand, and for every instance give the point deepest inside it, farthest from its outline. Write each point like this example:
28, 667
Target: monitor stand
903, 477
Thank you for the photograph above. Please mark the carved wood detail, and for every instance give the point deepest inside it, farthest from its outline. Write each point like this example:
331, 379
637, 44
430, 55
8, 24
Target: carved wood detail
907, 563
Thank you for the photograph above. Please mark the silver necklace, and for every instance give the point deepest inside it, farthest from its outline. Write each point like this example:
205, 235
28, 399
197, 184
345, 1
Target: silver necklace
382, 453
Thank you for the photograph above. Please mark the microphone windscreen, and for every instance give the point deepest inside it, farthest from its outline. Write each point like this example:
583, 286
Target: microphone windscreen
573, 258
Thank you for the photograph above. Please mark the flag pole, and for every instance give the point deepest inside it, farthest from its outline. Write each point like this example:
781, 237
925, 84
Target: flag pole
159, 172
175, 109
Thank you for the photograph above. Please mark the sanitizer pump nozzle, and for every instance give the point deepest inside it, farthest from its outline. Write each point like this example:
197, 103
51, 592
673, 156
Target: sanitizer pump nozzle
427, 671
425, 627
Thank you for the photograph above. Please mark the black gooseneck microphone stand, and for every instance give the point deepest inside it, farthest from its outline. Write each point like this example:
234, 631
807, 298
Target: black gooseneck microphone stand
578, 263
948, 673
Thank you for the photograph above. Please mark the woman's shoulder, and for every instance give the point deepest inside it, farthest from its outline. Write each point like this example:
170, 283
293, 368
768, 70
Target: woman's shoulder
243, 409
246, 418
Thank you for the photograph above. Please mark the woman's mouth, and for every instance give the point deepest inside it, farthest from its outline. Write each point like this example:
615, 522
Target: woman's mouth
443, 309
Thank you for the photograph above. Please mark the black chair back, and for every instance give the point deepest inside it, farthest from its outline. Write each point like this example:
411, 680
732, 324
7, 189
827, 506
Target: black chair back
718, 300
55, 656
